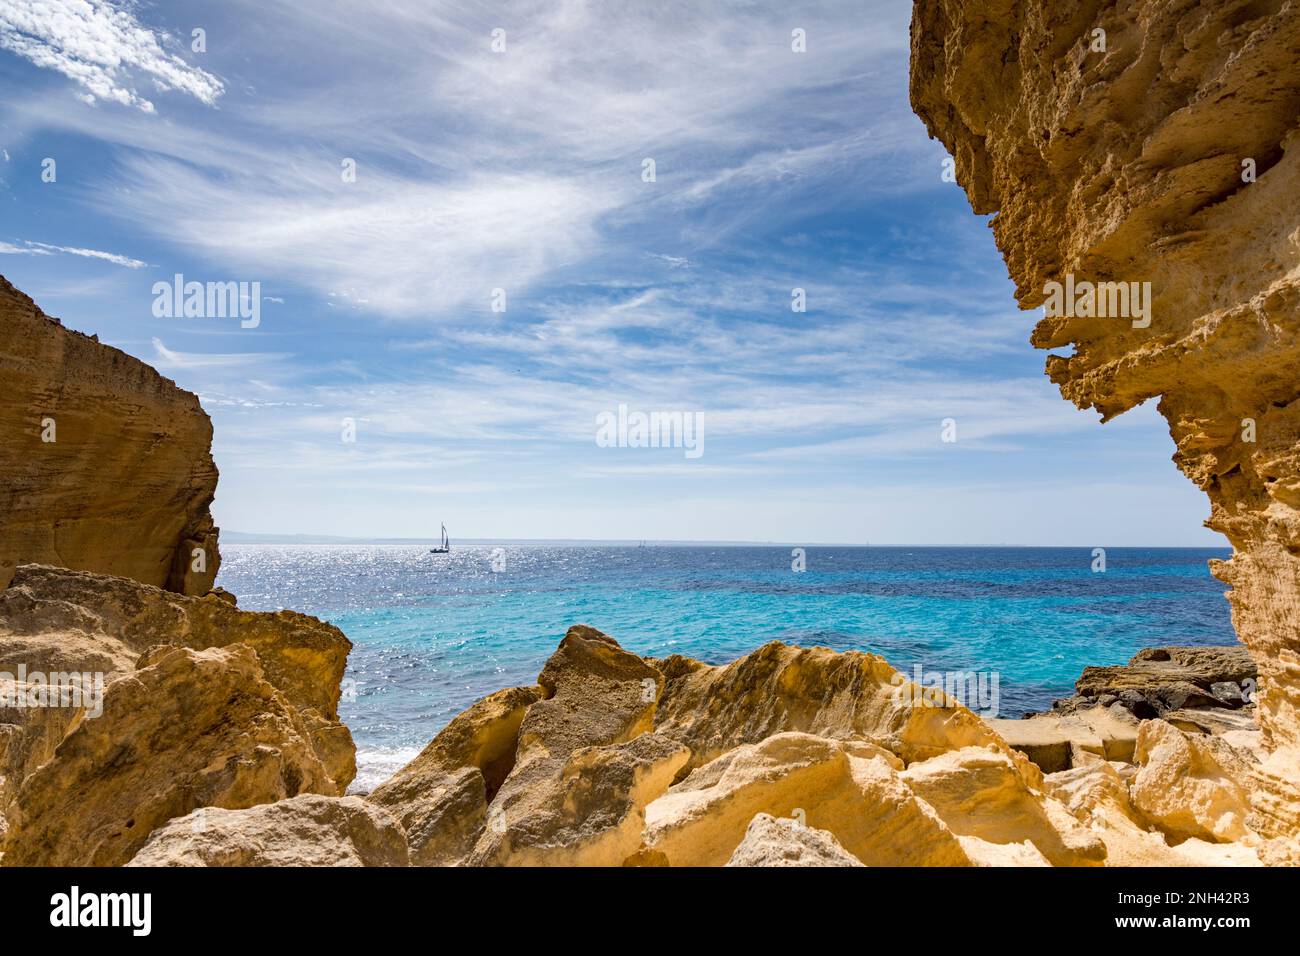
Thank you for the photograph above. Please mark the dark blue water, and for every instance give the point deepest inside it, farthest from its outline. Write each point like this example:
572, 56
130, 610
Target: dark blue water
435, 632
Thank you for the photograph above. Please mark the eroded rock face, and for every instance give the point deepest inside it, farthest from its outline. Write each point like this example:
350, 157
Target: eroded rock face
618, 760
125, 483
850, 789
307, 830
1191, 785
54, 619
441, 796
773, 842
187, 729
979, 793
202, 705
597, 695
779, 688
1134, 163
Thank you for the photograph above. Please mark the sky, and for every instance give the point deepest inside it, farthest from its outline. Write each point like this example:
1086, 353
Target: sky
465, 262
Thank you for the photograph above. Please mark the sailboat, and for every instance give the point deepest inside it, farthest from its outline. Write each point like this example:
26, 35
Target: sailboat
446, 543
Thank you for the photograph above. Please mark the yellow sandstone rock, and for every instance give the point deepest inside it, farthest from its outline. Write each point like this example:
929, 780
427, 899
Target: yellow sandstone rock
185, 730
1168, 154
825, 784
306, 830
1190, 785
441, 796
980, 793
106, 464
772, 842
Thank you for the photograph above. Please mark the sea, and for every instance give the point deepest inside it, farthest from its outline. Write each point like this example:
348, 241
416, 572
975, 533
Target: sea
432, 633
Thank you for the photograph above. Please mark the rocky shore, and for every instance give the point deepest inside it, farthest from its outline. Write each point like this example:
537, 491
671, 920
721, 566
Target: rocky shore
146, 720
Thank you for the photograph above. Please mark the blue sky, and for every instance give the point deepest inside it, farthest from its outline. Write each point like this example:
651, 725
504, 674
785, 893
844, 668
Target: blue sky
522, 170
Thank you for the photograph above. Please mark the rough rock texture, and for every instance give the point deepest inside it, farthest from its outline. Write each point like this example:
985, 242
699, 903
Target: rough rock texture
1159, 680
1055, 741
1190, 785
125, 485
441, 796
187, 729
979, 793
618, 760
1207, 690
203, 705
773, 842
307, 830
778, 688
846, 788
597, 695
1097, 792
53, 619
1132, 165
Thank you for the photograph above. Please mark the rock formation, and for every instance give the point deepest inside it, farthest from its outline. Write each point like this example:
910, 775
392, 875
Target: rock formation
203, 705
1203, 690
1156, 142
773, 842
104, 464
304, 831
791, 756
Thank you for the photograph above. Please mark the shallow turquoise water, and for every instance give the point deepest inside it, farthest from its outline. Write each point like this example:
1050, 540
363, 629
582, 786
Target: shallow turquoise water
435, 632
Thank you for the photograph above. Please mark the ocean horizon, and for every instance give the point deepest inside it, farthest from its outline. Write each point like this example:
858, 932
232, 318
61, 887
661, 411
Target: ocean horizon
433, 633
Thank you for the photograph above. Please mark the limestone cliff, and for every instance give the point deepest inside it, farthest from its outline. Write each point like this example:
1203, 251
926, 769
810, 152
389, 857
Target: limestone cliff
104, 464
1156, 142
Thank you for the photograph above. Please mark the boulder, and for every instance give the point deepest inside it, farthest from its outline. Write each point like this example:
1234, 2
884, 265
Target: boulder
778, 688
306, 830
57, 620
772, 842
595, 695
186, 729
1159, 680
1191, 785
848, 789
980, 793
593, 815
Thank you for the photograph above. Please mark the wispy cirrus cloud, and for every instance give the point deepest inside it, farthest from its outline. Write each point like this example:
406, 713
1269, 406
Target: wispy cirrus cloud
101, 47
479, 169
29, 248
169, 359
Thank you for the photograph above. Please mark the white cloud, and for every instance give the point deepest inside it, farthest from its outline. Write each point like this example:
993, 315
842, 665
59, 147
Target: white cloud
100, 47
394, 245
479, 170
166, 358
29, 248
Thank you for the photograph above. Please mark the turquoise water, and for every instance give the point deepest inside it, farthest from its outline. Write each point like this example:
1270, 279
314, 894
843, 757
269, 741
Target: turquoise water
433, 633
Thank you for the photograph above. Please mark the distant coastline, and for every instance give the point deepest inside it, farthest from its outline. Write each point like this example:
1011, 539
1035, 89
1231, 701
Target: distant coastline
246, 537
